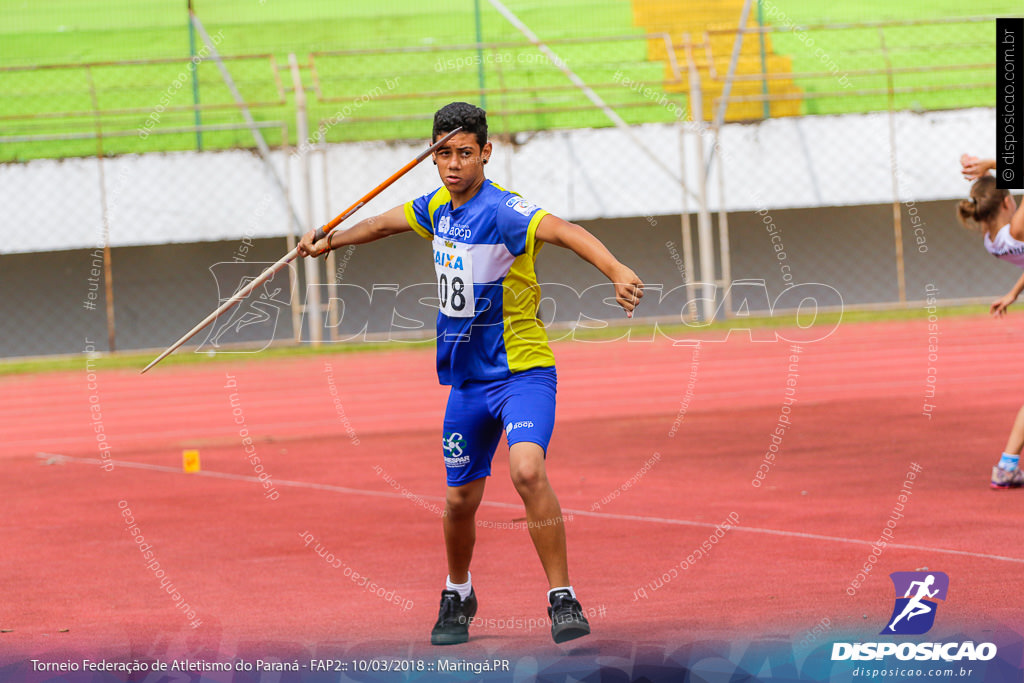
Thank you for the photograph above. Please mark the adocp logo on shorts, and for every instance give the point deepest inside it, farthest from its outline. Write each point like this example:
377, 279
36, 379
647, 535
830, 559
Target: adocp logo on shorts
452, 443
518, 425
914, 612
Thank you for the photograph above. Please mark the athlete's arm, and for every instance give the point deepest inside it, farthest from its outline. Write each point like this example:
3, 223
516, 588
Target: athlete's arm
390, 222
1017, 222
1000, 305
973, 167
628, 287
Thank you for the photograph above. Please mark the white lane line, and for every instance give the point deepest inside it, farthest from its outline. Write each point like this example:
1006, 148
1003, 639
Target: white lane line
54, 457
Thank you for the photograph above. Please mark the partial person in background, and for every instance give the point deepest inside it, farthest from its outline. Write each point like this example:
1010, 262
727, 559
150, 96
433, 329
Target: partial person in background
994, 213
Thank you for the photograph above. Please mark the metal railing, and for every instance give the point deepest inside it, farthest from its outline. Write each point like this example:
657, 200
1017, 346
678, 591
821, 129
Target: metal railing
94, 110
983, 81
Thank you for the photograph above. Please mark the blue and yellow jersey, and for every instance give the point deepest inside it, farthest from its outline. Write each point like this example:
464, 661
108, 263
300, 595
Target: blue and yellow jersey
484, 251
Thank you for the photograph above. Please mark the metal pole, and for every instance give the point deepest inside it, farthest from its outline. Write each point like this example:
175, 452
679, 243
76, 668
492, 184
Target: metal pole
685, 223
704, 237
261, 143
195, 76
766, 106
723, 233
108, 275
480, 54
290, 239
506, 126
332, 258
587, 91
687, 232
897, 214
312, 265
719, 117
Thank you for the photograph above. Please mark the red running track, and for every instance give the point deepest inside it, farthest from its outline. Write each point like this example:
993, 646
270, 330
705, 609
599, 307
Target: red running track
654, 446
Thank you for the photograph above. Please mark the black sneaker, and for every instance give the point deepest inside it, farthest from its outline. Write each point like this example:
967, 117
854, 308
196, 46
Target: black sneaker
452, 625
567, 620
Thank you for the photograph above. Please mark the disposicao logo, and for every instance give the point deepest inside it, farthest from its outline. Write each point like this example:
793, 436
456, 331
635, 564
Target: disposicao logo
917, 596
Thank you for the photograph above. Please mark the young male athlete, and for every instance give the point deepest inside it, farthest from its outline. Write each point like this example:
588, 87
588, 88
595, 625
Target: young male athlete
493, 351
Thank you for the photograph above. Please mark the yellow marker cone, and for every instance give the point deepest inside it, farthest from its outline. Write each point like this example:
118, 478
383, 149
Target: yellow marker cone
190, 461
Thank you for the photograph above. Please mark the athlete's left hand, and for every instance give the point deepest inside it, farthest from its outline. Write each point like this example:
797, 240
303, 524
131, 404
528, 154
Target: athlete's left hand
973, 168
628, 288
1000, 305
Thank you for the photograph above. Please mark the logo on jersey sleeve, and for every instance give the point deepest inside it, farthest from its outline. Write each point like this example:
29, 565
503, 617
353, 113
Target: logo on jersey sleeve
520, 205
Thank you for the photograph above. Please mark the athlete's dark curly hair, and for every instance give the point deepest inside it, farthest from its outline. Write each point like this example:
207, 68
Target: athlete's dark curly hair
473, 119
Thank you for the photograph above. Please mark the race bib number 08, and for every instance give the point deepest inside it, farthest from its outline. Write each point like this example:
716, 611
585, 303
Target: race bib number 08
454, 268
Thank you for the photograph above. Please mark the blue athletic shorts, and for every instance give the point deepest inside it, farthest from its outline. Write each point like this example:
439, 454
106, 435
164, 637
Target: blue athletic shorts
522, 405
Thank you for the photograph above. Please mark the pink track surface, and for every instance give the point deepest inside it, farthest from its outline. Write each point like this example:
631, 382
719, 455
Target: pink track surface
362, 473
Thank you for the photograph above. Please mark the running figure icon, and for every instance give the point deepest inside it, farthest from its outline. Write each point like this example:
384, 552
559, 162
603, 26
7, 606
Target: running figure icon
917, 606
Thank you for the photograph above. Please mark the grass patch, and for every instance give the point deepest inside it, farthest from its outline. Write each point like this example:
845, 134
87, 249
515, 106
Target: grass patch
937, 46
52, 32
138, 360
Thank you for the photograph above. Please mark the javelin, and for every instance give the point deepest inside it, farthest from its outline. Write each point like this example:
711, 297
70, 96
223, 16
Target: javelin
321, 232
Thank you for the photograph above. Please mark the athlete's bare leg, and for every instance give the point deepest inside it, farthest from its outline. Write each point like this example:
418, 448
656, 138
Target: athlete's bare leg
543, 513
1016, 441
461, 503
910, 611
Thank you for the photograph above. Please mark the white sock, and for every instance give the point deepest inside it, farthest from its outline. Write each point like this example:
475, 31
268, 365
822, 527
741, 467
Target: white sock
562, 588
463, 589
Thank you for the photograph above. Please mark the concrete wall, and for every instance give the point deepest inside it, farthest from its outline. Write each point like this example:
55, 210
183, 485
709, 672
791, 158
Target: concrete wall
162, 291
586, 174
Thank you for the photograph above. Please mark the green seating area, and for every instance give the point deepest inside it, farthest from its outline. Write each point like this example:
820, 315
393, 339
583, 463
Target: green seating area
378, 70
